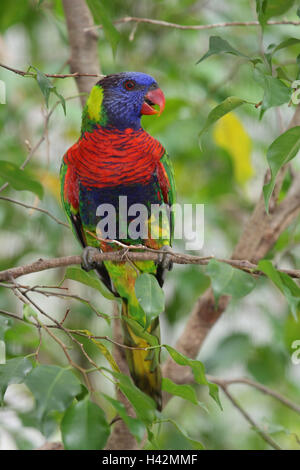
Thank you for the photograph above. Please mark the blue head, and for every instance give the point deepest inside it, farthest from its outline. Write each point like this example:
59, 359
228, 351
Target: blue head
119, 100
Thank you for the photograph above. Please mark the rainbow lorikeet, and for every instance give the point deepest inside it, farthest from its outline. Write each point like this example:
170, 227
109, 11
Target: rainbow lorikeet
115, 157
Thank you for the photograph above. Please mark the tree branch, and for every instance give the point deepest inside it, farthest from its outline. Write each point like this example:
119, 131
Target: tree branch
83, 44
129, 255
262, 388
248, 418
201, 27
51, 75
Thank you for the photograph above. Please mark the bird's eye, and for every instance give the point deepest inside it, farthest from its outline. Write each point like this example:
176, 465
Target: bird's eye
129, 85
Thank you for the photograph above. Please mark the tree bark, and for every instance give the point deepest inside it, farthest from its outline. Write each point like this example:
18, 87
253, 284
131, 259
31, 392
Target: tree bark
83, 44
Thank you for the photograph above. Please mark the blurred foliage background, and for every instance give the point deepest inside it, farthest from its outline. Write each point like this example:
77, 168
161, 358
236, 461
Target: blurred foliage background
253, 338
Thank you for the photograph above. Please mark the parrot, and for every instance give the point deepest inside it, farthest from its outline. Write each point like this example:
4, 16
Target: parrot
114, 156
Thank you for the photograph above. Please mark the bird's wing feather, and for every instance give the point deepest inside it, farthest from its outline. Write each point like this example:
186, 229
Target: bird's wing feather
166, 182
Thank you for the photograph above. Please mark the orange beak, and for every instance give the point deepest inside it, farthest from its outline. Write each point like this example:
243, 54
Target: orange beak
152, 98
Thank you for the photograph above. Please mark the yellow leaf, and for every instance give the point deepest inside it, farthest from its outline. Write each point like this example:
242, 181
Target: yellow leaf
103, 349
230, 134
50, 181
106, 354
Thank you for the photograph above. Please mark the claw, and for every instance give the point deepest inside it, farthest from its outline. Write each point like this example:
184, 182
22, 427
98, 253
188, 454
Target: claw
87, 258
164, 259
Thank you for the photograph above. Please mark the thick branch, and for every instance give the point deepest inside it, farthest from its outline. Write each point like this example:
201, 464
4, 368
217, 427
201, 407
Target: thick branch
83, 44
145, 255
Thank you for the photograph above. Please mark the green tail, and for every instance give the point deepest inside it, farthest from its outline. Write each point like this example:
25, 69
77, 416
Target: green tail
143, 365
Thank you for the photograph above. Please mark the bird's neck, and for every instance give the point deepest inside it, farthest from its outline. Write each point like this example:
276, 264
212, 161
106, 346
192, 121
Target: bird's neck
107, 115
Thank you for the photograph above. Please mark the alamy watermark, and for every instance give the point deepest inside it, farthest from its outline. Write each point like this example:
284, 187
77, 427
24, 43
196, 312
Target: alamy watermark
296, 93
296, 354
155, 222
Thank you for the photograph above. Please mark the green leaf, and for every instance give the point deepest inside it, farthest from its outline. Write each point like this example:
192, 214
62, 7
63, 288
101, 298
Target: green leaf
229, 104
103, 349
266, 9
184, 391
217, 45
273, 48
280, 152
84, 427
276, 92
53, 388
28, 312
150, 295
286, 43
47, 87
13, 372
79, 275
195, 444
135, 426
140, 331
101, 16
197, 369
61, 99
144, 405
261, 6
20, 179
285, 284
228, 280
5, 325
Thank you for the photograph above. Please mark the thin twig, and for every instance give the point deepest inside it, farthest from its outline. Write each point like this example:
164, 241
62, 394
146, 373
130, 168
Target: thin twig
42, 138
24, 73
262, 388
250, 420
166, 24
28, 206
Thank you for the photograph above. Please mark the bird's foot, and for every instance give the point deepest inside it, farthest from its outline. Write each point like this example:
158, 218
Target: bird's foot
164, 260
87, 256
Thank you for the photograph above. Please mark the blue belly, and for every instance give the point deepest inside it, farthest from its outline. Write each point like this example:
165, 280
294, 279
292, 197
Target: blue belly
91, 199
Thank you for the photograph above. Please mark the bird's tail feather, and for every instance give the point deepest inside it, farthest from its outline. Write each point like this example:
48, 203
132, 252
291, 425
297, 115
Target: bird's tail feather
143, 365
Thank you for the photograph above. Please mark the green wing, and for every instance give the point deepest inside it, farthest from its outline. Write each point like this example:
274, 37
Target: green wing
171, 193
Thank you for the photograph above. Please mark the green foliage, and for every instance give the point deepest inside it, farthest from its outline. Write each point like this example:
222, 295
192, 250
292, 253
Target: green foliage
20, 180
266, 9
47, 87
228, 105
53, 388
285, 284
102, 17
280, 152
135, 426
84, 426
272, 49
228, 280
198, 371
276, 92
150, 296
184, 391
143, 405
88, 279
5, 325
13, 371
194, 444
217, 45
